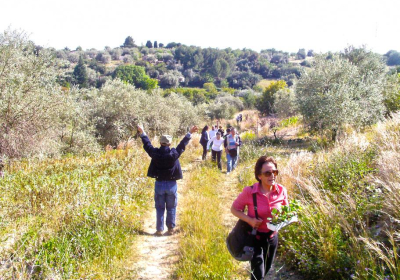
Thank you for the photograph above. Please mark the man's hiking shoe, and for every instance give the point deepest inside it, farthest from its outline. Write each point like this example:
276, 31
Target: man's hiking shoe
170, 231
158, 233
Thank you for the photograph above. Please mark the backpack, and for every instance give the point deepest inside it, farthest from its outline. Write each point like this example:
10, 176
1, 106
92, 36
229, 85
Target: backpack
240, 241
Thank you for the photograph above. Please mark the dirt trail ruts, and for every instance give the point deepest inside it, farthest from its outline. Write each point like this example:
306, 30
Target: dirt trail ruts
157, 256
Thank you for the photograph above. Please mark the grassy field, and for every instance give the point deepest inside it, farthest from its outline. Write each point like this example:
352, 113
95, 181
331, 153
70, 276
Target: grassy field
71, 217
75, 217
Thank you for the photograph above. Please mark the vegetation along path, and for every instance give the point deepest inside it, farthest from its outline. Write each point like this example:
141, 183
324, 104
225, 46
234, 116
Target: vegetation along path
164, 257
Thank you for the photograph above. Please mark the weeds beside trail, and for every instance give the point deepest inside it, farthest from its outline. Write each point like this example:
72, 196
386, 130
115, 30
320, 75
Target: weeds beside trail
71, 218
203, 253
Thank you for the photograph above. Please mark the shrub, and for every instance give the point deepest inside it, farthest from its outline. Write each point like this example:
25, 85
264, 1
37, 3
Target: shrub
344, 90
73, 57
285, 103
135, 75
118, 107
224, 106
170, 79
30, 99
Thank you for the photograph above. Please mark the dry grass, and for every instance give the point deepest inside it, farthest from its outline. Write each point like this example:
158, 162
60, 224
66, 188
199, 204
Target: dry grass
359, 216
265, 83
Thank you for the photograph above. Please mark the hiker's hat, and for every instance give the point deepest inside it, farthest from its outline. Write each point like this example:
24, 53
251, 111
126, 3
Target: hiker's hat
166, 139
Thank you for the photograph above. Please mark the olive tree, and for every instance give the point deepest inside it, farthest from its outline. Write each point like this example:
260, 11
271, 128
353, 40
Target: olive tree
30, 98
224, 106
343, 90
76, 131
170, 79
285, 103
117, 107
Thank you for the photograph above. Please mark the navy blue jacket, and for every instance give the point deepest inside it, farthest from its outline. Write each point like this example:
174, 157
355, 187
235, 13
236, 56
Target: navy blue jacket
204, 138
164, 165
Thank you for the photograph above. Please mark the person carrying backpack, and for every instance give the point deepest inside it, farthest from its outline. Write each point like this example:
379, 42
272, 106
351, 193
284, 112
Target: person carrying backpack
269, 195
166, 169
232, 143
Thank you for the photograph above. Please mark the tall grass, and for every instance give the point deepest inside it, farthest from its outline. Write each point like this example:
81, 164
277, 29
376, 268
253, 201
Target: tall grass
350, 220
72, 217
202, 247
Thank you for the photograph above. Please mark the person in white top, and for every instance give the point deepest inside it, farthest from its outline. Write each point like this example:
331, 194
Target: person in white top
216, 149
213, 131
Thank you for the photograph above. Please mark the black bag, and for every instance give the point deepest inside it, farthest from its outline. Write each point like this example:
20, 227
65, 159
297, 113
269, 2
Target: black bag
233, 152
240, 241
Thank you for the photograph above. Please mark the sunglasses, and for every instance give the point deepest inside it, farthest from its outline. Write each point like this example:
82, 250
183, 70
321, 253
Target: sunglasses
269, 173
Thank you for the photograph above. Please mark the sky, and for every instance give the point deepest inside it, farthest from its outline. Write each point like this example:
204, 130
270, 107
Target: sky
287, 25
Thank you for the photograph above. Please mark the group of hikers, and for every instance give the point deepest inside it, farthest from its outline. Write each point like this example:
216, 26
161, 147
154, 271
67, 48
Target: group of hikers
230, 141
259, 199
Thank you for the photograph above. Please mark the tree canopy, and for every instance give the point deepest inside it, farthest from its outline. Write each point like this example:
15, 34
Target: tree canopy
345, 89
135, 75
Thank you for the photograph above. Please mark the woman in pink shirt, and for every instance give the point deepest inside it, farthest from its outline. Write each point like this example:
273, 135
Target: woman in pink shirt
269, 195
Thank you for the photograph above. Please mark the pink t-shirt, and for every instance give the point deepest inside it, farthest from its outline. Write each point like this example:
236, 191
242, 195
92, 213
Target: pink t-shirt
265, 202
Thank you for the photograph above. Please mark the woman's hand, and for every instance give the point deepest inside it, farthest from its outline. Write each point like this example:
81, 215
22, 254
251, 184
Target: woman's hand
140, 129
255, 223
193, 129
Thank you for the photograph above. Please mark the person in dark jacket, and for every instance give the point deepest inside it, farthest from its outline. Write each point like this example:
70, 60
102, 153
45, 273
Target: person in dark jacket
1, 168
204, 140
221, 130
166, 169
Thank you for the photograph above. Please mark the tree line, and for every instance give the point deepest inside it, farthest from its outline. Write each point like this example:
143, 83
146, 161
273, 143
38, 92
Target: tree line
51, 105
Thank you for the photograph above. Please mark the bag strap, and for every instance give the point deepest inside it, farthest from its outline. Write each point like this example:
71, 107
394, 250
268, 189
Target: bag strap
255, 204
254, 231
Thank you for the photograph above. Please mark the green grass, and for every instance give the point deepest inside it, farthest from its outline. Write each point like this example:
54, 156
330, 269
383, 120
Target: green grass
202, 247
72, 217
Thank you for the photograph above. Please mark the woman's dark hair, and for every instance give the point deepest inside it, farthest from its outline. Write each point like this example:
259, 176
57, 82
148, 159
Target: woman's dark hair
259, 164
204, 128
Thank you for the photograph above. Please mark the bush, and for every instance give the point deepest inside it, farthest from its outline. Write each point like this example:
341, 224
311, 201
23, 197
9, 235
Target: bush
170, 79
118, 107
73, 57
31, 99
134, 75
344, 90
224, 106
285, 103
